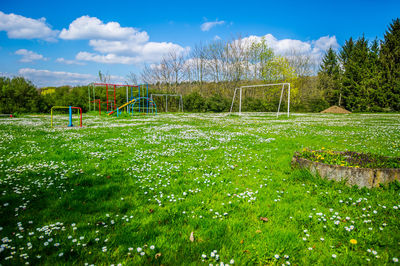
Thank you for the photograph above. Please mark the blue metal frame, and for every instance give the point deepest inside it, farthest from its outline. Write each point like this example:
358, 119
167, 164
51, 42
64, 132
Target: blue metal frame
70, 117
138, 99
145, 88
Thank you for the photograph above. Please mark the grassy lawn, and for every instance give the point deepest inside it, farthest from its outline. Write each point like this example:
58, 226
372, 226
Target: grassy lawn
134, 190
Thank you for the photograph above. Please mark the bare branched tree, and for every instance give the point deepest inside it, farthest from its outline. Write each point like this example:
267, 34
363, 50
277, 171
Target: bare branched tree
174, 62
301, 63
131, 78
164, 72
104, 78
199, 62
150, 75
236, 54
214, 54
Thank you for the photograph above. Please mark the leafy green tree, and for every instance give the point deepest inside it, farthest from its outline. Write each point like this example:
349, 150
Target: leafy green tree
260, 56
390, 60
194, 102
18, 95
217, 103
5, 95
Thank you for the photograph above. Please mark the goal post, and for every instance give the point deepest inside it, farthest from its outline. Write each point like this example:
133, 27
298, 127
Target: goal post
240, 89
180, 105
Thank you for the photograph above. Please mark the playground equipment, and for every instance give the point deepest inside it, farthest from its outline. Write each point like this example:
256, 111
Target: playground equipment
99, 101
111, 100
70, 114
263, 85
142, 104
151, 106
180, 105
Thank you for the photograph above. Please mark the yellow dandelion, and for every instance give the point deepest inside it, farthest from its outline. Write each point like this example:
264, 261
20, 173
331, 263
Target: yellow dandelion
353, 241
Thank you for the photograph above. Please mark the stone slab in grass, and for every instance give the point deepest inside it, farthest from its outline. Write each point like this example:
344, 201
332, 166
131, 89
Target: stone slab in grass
361, 177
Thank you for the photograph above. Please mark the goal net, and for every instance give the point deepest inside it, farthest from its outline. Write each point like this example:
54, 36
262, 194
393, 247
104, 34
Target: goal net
164, 101
238, 94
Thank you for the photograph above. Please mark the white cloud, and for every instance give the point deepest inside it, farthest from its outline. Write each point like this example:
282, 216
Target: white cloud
46, 78
55, 78
29, 56
86, 28
217, 38
206, 26
325, 42
115, 44
68, 62
124, 52
19, 27
125, 47
315, 49
105, 59
280, 46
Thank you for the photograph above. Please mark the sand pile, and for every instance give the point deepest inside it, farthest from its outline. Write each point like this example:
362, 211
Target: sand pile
336, 110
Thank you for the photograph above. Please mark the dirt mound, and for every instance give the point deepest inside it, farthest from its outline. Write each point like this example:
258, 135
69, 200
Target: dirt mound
335, 110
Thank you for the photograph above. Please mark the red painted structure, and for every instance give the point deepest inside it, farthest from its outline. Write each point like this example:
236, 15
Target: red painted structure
99, 101
70, 114
80, 111
114, 87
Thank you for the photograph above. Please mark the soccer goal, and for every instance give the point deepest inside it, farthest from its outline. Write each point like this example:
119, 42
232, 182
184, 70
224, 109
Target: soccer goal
179, 96
240, 89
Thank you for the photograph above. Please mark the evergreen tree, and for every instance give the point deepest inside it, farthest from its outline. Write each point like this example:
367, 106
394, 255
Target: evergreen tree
361, 93
329, 77
376, 92
346, 55
347, 52
361, 74
390, 60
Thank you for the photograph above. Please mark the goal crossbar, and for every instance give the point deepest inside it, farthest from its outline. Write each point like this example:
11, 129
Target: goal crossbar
262, 85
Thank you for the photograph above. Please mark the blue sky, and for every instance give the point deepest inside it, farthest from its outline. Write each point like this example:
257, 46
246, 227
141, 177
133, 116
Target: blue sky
56, 43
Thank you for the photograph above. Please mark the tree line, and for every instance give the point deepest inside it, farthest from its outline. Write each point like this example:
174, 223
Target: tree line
362, 76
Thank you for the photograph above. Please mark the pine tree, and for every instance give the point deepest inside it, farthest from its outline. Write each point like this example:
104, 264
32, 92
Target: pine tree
376, 93
361, 74
347, 52
329, 77
346, 58
390, 60
361, 92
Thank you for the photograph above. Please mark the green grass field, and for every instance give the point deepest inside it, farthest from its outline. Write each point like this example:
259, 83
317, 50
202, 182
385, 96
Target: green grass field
134, 190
